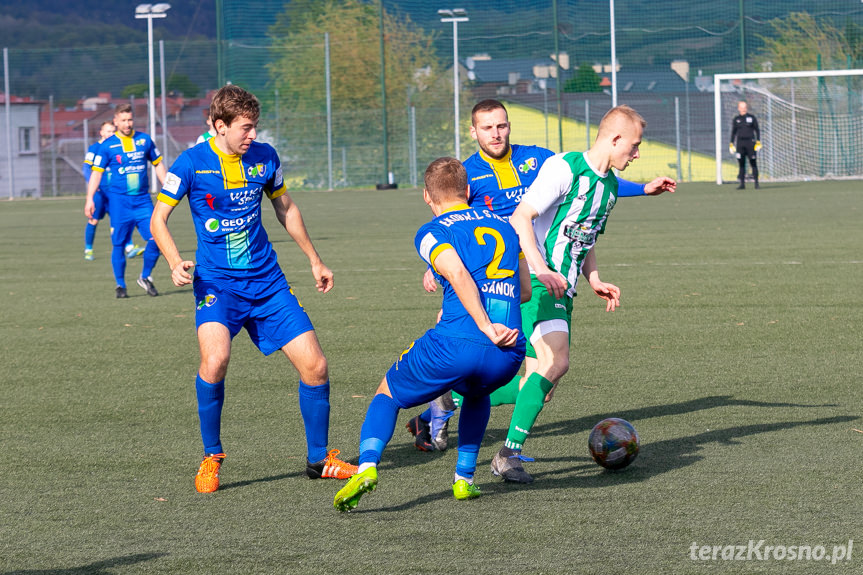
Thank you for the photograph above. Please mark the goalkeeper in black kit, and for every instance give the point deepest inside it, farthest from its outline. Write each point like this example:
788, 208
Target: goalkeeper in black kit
745, 142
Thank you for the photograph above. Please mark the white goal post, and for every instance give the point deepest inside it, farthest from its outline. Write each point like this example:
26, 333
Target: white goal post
811, 122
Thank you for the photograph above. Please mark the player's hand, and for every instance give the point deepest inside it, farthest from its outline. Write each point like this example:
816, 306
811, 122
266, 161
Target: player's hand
732, 148
501, 335
757, 145
429, 283
555, 283
660, 185
89, 208
180, 273
609, 292
323, 277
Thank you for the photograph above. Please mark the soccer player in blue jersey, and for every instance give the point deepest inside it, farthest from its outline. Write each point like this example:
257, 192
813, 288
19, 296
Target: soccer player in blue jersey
126, 154
106, 130
237, 279
476, 346
499, 174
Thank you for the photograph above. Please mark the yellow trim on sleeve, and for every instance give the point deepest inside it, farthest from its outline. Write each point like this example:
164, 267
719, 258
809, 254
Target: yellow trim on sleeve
521, 256
98, 169
166, 199
278, 193
157, 161
437, 251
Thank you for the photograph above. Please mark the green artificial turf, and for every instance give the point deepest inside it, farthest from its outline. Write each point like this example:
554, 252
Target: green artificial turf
736, 355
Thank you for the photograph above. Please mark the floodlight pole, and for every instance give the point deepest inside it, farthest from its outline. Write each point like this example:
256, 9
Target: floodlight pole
150, 11
455, 16
613, 57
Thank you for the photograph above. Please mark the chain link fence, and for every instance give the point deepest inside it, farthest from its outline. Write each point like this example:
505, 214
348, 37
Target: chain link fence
316, 67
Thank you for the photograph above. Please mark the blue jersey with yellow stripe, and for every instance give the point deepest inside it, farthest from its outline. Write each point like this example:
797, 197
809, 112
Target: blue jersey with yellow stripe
127, 158
499, 184
87, 167
225, 194
488, 247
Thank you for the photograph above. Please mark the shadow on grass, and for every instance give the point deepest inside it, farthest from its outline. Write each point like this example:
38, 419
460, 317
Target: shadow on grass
105, 567
633, 415
408, 455
246, 483
664, 456
654, 459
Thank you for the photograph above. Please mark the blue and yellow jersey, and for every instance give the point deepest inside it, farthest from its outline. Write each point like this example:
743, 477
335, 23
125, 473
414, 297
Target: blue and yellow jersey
498, 185
127, 159
488, 247
225, 194
87, 167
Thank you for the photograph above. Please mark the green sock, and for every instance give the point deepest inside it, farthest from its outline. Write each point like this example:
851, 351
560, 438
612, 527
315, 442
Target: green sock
528, 404
506, 394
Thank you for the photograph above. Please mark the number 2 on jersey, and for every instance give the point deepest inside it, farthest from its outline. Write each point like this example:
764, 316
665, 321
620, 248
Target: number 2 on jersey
493, 271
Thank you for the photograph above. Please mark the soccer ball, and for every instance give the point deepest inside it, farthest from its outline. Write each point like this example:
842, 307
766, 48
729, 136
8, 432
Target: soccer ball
613, 443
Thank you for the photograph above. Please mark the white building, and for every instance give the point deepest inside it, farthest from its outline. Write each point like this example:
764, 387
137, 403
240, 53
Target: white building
23, 179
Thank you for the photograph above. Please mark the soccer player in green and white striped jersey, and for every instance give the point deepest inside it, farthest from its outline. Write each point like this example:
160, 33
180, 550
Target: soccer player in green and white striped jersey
558, 221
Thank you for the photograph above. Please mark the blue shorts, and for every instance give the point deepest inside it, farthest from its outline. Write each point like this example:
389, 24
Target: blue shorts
272, 320
101, 203
437, 363
122, 225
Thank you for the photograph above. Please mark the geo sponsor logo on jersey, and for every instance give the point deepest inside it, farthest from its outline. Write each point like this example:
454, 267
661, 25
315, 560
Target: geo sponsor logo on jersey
208, 301
528, 165
213, 225
172, 183
257, 170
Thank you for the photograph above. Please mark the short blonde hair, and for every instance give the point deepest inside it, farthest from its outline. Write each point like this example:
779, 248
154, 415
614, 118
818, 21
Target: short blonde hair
622, 112
446, 179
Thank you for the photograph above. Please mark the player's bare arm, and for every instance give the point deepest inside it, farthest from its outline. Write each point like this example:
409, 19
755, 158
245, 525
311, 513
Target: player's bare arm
522, 221
161, 172
290, 217
660, 185
609, 292
159, 228
92, 186
524, 280
450, 266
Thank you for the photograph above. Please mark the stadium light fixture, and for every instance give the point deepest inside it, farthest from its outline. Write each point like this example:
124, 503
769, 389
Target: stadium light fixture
150, 11
455, 15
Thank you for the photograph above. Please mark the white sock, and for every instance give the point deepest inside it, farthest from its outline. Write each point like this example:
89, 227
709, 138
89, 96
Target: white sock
364, 466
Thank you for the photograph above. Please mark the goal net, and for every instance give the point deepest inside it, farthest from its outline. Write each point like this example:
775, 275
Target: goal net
811, 123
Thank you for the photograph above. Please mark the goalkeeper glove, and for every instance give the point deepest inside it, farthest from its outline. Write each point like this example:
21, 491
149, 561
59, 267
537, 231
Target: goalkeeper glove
732, 148
757, 145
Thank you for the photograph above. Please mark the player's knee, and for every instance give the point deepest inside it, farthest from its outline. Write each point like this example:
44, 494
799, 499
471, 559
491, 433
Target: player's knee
213, 368
558, 368
315, 370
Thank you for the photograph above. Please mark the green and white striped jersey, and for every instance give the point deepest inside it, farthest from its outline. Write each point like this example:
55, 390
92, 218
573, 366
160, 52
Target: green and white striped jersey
573, 201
